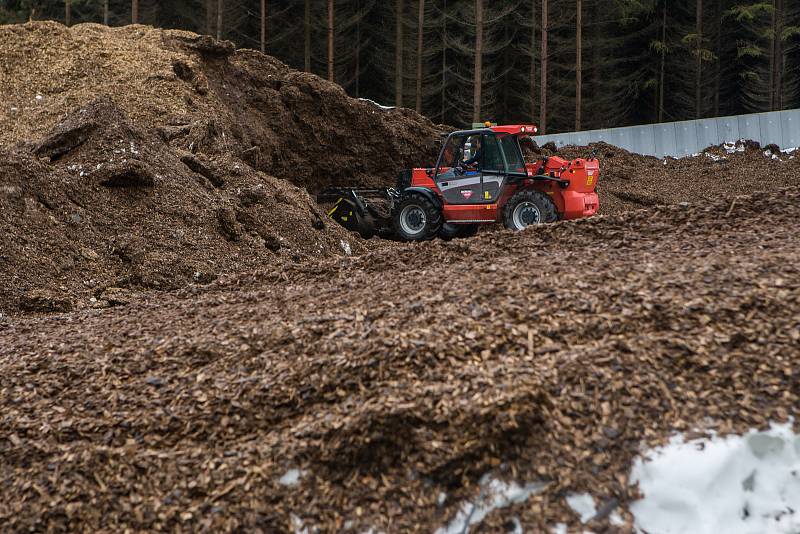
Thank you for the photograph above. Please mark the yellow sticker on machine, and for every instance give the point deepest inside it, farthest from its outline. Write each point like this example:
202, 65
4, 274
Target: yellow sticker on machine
487, 195
589, 180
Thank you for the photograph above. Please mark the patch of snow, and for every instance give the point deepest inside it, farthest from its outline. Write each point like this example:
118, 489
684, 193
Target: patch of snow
560, 528
385, 108
14, 109
441, 498
583, 505
39, 98
731, 147
291, 477
714, 157
737, 485
345, 247
297, 525
616, 519
790, 150
494, 494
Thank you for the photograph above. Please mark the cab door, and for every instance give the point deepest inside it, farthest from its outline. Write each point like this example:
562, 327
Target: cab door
493, 169
461, 189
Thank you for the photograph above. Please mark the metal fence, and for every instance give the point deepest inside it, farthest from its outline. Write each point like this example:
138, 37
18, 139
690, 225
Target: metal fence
690, 137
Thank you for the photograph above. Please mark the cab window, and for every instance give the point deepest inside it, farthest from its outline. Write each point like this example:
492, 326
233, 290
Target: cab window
516, 163
492, 157
453, 153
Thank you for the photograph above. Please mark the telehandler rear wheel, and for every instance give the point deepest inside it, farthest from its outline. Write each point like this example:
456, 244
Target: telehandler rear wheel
416, 218
527, 208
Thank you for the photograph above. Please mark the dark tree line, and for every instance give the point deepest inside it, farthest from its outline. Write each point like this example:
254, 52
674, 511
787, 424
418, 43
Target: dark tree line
566, 64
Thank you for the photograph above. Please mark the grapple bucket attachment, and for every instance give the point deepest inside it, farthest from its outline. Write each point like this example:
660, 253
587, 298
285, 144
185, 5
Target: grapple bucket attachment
366, 211
345, 212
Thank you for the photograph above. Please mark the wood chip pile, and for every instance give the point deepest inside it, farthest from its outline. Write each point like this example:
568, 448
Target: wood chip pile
203, 96
375, 391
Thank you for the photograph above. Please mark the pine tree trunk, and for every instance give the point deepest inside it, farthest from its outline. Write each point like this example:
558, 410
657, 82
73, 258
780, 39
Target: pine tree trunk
718, 66
105, 12
134, 11
663, 64
330, 40
476, 97
307, 36
263, 26
219, 19
778, 62
398, 55
502, 118
533, 61
543, 83
699, 78
578, 81
358, 50
444, 65
420, 36
67, 12
209, 17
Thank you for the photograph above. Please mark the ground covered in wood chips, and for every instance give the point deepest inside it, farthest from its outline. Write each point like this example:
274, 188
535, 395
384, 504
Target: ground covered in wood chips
187, 341
376, 391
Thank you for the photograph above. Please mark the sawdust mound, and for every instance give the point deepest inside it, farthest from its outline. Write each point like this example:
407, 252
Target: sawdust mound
100, 207
205, 97
190, 411
632, 181
139, 158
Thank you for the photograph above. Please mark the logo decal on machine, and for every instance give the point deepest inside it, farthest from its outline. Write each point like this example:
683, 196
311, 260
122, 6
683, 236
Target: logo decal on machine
466, 193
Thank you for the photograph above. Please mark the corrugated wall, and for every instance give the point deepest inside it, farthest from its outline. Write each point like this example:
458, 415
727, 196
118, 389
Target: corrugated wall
690, 137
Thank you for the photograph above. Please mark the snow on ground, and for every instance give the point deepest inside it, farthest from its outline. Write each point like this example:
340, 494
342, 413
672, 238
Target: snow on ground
737, 484
381, 106
494, 494
291, 477
583, 505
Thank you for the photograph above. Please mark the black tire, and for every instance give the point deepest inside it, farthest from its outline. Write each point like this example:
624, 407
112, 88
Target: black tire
527, 208
458, 231
415, 218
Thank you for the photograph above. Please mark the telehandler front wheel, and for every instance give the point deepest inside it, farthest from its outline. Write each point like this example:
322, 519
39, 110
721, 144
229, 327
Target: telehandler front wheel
527, 208
416, 218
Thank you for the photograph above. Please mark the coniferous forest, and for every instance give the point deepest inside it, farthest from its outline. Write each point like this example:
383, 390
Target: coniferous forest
566, 64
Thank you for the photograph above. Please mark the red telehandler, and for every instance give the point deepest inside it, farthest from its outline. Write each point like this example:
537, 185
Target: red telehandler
480, 178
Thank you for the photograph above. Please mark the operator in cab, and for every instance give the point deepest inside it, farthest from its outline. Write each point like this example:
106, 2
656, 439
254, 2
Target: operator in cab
475, 160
